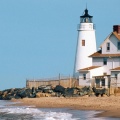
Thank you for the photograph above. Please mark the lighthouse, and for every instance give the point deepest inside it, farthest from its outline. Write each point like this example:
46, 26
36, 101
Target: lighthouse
86, 43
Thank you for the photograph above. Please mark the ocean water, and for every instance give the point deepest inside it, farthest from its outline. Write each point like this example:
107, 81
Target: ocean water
10, 112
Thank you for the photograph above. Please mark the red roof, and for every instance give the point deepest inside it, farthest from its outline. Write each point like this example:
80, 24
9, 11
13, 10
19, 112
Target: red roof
99, 54
117, 35
89, 68
115, 69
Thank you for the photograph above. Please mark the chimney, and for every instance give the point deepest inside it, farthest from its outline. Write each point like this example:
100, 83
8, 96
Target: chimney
116, 28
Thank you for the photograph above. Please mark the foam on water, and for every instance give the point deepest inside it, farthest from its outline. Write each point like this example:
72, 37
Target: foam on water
31, 113
37, 113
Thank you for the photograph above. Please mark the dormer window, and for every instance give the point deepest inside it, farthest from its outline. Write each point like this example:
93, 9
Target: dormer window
108, 46
118, 45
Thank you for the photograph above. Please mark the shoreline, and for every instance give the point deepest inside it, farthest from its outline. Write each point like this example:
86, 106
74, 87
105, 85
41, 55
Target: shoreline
109, 106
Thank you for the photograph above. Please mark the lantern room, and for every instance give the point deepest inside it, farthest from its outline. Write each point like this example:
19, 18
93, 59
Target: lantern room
86, 18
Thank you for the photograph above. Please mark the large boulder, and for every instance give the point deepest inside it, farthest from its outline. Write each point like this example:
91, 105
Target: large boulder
59, 89
41, 88
68, 92
6, 94
85, 91
71, 92
26, 93
100, 91
45, 89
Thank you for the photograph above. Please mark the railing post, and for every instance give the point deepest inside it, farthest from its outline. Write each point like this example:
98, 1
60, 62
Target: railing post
70, 81
59, 78
27, 83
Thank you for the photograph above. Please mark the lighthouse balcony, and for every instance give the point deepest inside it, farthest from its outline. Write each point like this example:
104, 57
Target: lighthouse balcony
84, 26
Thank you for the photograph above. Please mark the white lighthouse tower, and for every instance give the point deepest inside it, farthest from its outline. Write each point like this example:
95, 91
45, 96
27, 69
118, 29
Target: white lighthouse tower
86, 43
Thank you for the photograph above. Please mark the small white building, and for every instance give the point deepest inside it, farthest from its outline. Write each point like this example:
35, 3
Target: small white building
105, 69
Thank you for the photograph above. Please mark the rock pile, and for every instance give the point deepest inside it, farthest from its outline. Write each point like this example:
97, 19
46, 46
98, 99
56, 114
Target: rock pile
72, 92
49, 91
16, 93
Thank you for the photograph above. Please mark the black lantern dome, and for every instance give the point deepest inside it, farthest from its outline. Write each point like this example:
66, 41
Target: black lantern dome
86, 18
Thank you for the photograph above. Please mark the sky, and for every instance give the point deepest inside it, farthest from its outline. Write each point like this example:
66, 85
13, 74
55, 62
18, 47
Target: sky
38, 37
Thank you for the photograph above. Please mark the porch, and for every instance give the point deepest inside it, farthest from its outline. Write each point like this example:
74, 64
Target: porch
102, 81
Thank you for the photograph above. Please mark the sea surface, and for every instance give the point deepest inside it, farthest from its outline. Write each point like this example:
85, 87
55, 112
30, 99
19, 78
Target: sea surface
8, 111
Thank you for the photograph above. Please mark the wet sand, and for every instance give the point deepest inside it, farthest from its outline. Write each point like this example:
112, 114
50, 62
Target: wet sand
110, 105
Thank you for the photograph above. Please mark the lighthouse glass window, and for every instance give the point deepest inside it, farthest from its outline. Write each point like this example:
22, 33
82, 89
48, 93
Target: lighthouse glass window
83, 42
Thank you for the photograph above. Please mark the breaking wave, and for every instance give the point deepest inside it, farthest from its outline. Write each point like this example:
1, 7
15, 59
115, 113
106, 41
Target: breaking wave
30, 113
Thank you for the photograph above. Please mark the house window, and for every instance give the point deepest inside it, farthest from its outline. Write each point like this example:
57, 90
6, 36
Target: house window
104, 61
84, 76
118, 45
116, 76
83, 42
103, 82
108, 46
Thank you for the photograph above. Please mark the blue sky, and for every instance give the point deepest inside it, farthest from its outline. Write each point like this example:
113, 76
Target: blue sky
38, 37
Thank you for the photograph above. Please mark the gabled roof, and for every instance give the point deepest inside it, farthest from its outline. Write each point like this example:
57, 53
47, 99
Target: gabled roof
99, 54
113, 33
117, 35
89, 68
116, 69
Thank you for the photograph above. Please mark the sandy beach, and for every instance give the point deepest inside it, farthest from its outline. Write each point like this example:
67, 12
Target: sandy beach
110, 105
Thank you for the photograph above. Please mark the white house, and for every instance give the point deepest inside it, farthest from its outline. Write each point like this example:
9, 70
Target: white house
105, 69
